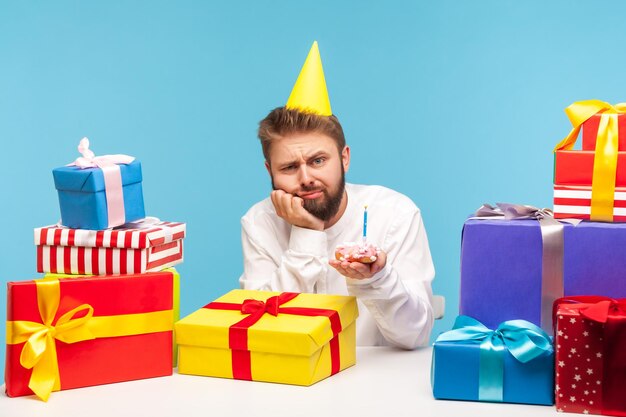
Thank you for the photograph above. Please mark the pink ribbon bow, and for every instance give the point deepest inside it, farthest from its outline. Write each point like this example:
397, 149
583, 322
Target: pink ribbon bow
112, 178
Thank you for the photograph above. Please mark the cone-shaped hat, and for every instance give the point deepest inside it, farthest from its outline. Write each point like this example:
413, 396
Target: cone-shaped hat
309, 94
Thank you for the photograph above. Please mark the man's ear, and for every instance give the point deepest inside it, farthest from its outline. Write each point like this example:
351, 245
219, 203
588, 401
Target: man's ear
345, 158
267, 166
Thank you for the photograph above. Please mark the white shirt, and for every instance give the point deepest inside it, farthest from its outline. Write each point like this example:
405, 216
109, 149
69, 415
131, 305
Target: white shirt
395, 305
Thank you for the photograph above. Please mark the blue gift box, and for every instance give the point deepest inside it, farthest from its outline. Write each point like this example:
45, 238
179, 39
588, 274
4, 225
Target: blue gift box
455, 375
501, 266
83, 200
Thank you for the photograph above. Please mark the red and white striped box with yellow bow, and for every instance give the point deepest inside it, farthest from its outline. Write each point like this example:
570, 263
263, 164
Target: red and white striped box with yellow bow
143, 246
289, 338
590, 184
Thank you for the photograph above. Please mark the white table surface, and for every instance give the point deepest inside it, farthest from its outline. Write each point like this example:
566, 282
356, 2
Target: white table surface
384, 382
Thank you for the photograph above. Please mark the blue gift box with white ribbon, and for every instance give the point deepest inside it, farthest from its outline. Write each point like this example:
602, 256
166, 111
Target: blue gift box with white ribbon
512, 364
99, 192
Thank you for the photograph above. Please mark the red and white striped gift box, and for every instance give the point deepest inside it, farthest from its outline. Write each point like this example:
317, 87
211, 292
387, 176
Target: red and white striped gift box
130, 249
574, 202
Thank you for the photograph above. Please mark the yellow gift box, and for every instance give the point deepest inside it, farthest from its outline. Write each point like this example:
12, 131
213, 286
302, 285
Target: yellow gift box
288, 338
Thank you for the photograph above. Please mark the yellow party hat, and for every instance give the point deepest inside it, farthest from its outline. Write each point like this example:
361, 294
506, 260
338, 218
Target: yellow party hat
309, 94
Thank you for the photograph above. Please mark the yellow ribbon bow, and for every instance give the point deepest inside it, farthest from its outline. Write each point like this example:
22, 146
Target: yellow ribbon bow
39, 351
605, 158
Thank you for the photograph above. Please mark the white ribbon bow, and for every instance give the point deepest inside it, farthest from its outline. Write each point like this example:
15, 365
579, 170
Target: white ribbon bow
90, 160
112, 179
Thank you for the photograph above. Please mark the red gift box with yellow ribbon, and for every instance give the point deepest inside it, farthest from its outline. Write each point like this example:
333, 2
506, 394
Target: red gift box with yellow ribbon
78, 332
590, 339
288, 338
590, 184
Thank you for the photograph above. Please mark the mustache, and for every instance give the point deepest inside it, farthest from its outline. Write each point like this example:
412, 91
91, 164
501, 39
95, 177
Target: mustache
309, 188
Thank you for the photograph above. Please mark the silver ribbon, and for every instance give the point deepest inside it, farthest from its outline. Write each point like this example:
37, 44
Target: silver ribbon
552, 249
141, 224
148, 223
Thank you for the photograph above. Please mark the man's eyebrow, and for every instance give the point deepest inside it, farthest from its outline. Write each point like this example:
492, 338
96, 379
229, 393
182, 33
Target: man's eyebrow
317, 155
287, 163
296, 161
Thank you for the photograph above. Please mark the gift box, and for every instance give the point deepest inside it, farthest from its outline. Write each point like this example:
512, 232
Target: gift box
590, 344
575, 168
571, 202
599, 167
78, 332
83, 196
175, 297
287, 338
501, 267
573, 175
136, 247
514, 364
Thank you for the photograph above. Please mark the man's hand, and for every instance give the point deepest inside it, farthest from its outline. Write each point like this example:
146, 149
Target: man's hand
291, 208
357, 270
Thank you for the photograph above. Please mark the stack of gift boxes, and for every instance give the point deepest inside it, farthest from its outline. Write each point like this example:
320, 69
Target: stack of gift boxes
105, 309
107, 306
541, 321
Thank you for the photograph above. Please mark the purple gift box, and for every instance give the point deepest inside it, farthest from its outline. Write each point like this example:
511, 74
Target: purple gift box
501, 264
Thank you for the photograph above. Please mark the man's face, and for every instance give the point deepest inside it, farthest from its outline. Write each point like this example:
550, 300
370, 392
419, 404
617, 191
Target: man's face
309, 165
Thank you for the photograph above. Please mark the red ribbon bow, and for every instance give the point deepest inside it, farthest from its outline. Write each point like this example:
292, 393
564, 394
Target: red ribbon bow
598, 308
602, 310
252, 306
238, 332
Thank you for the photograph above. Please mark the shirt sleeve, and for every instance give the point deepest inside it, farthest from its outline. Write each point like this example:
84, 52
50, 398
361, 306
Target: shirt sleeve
300, 268
399, 297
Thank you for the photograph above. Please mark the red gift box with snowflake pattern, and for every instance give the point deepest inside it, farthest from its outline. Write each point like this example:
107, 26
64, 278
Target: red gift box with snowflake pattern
590, 355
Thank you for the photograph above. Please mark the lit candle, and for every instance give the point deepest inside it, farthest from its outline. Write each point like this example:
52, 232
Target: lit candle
365, 224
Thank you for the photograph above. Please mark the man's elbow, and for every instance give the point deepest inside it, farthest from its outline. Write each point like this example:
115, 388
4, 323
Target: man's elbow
420, 334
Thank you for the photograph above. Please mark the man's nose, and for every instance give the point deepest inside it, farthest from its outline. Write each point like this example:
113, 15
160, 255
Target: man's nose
304, 175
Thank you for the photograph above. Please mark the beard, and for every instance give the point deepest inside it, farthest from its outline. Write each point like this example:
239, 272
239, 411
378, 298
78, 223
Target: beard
326, 207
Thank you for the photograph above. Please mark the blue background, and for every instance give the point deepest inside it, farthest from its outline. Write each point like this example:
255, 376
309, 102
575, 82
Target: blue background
453, 103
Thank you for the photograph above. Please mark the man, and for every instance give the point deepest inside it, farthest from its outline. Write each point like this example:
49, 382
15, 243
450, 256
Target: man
289, 239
